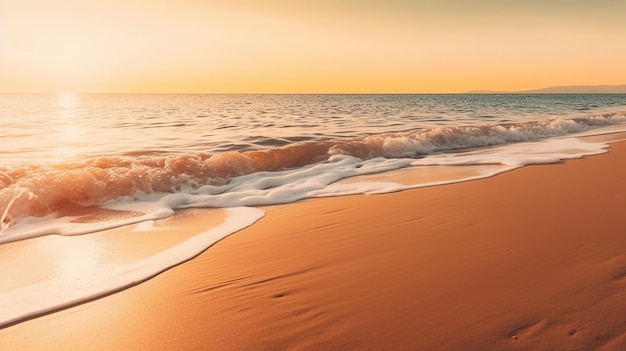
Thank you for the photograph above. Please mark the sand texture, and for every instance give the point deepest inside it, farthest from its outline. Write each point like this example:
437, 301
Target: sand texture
533, 259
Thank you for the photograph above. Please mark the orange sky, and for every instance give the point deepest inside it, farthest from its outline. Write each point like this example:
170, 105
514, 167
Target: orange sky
322, 46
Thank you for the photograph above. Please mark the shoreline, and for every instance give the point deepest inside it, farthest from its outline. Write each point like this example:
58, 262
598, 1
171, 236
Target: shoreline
529, 259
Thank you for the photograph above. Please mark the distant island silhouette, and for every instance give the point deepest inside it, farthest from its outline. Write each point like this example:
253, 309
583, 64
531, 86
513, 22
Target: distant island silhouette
565, 89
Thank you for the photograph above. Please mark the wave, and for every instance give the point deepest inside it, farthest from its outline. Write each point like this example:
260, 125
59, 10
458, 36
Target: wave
64, 189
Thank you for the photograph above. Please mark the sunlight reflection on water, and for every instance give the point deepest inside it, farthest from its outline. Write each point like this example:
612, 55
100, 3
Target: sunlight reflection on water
69, 133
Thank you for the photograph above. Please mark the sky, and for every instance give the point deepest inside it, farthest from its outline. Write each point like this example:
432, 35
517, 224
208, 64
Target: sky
314, 46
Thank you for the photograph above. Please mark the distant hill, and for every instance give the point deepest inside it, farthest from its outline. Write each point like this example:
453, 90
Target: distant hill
573, 89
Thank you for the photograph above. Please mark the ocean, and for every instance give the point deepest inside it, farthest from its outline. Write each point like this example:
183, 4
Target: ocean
75, 167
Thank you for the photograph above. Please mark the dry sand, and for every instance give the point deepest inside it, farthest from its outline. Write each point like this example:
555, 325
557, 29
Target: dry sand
534, 259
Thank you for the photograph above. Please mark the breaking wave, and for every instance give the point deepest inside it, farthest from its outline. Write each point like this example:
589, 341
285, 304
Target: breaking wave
65, 189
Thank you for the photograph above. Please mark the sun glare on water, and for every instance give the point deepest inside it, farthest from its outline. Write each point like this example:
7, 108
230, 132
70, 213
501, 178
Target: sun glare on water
69, 134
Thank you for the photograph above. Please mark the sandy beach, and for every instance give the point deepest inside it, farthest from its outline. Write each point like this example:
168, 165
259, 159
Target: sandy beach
533, 259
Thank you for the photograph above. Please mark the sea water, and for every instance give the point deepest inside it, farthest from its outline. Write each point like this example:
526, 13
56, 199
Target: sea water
64, 157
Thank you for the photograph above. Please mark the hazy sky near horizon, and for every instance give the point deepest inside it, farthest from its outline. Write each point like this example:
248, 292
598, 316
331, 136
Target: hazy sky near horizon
323, 46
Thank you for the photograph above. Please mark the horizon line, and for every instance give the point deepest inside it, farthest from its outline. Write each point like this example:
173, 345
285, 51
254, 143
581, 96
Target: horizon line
565, 89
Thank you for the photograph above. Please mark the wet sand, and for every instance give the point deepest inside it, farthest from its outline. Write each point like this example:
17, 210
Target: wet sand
533, 259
